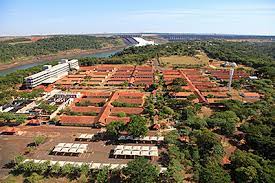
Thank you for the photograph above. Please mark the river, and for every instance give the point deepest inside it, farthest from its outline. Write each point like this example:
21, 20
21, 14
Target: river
26, 66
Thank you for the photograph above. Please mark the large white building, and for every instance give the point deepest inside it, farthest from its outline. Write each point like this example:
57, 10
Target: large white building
50, 74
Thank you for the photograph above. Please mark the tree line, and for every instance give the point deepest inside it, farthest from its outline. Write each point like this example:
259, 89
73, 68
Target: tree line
9, 52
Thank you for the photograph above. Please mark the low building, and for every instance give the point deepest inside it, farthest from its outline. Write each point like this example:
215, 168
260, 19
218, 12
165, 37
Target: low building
250, 95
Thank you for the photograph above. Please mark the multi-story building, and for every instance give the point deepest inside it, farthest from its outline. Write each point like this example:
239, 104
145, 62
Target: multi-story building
50, 74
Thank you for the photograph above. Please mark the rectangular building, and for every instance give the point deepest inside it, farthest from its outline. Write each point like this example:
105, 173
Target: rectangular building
51, 73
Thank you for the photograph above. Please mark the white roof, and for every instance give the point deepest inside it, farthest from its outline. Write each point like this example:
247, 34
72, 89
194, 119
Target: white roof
60, 145
153, 153
61, 163
53, 162
36, 161
57, 149
145, 148
75, 146
146, 138
73, 150
65, 150
122, 165
68, 145
160, 138
129, 137
121, 138
137, 138
154, 138
95, 165
126, 152
119, 147
113, 166
127, 147
136, 152
105, 164
89, 136
80, 150
82, 136
136, 147
155, 148
144, 153
118, 152
83, 146
26, 160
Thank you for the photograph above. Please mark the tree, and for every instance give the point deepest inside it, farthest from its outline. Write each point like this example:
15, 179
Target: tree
137, 127
103, 175
248, 167
196, 122
34, 178
55, 170
20, 119
209, 145
140, 170
40, 139
167, 110
172, 137
121, 114
192, 97
225, 120
18, 159
67, 170
176, 88
179, 82
114, 128
150, 109
214, 173
7, 116
175, 171
84, 169
246, 174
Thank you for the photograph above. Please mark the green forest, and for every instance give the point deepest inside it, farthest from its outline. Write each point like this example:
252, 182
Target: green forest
9, 52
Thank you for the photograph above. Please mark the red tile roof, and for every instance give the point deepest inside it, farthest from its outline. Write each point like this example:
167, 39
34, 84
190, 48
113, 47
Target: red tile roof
251, 94
181, 94
86, 109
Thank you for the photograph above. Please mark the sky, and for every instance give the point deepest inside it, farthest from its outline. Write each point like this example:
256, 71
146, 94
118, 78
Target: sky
42, 17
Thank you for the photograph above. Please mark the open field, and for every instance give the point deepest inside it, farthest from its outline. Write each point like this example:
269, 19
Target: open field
199, 59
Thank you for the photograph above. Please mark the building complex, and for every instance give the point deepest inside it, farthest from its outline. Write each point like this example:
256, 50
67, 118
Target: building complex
50, 74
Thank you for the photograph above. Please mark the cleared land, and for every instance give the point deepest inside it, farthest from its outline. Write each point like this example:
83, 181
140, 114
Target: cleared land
98, 151
199, 59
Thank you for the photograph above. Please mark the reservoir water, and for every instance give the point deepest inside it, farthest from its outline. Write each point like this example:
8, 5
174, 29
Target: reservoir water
26, 66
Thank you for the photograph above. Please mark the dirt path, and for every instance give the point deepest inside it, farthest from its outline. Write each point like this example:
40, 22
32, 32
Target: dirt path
229, 149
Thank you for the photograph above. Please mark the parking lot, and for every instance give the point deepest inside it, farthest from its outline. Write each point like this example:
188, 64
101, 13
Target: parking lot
98, 151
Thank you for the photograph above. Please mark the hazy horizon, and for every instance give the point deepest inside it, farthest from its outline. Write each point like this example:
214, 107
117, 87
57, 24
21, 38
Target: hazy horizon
24, 18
